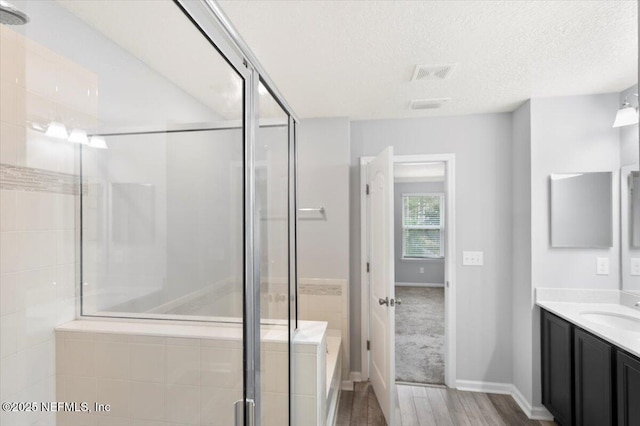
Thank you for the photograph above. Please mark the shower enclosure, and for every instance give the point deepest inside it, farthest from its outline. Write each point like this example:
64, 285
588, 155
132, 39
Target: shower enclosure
182, 154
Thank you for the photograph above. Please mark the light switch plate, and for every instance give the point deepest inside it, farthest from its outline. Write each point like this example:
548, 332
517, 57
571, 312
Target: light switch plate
472, 258
635, 266
602, 266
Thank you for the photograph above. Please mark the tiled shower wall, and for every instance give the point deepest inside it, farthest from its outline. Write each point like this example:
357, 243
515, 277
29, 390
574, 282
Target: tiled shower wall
37, 239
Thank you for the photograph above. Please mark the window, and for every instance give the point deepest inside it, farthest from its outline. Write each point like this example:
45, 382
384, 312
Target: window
422, 226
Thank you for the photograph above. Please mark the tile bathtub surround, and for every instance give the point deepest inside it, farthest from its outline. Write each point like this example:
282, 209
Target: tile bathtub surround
327, 300
191, 375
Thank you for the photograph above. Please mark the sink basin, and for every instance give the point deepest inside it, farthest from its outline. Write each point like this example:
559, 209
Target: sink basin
613, 320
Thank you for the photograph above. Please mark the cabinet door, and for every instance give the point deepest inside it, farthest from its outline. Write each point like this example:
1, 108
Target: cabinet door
628, 369
557, 374
593, 380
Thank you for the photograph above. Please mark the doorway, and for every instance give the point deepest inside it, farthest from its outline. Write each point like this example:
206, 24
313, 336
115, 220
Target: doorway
383, 307
419, 253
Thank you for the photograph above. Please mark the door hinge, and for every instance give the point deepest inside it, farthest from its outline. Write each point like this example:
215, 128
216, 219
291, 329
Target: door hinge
367, 189
368, 267
368, 345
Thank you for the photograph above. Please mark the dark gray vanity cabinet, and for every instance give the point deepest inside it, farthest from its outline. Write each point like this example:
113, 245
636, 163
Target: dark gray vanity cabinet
593, 372
557, 371
585, 379
628, 378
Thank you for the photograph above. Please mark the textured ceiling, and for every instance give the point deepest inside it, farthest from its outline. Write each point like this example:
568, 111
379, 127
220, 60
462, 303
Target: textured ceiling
356, 58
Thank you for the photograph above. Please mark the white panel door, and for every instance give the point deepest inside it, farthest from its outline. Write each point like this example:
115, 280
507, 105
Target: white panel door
382, 290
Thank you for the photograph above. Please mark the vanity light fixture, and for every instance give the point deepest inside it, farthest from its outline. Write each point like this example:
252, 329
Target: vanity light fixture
627, 114
98, 141
57, 130
79, 136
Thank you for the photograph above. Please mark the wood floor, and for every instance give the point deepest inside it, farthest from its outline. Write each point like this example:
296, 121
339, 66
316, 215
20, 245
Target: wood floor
427, 406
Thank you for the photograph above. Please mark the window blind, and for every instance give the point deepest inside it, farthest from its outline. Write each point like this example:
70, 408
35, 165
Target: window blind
422, 225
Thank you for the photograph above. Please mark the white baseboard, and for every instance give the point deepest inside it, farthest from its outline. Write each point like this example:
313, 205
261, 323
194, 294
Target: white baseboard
419, 284
354, 376
346, 385
532, 412
485, 387
537, 412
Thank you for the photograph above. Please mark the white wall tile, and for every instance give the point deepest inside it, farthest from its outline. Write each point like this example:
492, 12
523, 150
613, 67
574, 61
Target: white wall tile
112, 360
182, 364
147, 362
305, 374
282, 368
221, 367
8, 334
41, 355
9, 252
147, 401
79, 358
7, 210
65, 211
275, 410
12, 376
183, 405
8, 143
116, 393
303, 406
217, 406
269, 369
8, 294
66, 249
28, 204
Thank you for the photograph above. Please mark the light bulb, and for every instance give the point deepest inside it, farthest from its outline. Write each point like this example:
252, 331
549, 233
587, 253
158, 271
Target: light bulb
98, 142
57, 130
79, 136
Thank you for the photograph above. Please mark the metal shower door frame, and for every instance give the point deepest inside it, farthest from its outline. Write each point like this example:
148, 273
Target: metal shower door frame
209, 18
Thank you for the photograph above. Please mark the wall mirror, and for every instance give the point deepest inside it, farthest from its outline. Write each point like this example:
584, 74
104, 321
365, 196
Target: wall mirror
630, 228
582, 210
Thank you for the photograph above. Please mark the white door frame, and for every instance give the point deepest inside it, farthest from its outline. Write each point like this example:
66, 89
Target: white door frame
449, 269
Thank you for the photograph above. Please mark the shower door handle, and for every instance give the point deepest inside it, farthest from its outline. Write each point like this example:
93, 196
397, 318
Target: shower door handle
241, 409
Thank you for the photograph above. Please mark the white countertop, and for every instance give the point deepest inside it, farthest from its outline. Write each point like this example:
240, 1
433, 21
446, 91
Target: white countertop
571, 311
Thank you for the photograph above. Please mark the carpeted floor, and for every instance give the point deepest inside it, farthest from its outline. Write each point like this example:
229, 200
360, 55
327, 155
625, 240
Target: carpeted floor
420, 335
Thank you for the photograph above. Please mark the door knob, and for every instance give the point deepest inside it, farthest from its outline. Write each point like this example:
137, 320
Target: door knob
384, 301
398, 301
394, 302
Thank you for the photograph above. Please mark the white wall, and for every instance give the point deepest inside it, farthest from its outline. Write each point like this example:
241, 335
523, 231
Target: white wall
571, 134
408, 271
482, 145
553, 135
323, 181
522, 306
323, 241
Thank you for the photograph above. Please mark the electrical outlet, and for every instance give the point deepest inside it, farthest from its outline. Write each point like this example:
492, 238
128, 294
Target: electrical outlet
602, 266
472, 258
635, 266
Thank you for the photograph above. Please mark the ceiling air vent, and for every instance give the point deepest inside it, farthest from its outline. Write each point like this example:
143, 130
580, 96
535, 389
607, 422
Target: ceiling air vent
432, 72
428, 103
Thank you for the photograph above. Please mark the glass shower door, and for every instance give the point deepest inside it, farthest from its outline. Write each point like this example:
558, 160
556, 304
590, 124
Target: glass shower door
173, 167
